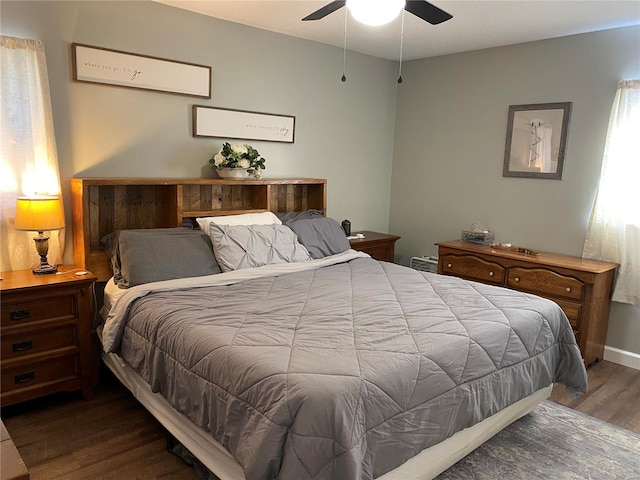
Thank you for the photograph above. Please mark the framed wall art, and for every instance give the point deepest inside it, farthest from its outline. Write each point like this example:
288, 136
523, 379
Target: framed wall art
124, 69
536, 140
242, 124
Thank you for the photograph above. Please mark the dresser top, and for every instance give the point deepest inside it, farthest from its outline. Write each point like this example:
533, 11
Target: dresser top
543, 258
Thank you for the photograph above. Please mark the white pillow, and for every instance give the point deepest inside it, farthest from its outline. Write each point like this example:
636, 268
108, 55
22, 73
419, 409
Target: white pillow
263, 218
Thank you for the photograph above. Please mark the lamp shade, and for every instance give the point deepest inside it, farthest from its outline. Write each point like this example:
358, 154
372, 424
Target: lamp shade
39, 213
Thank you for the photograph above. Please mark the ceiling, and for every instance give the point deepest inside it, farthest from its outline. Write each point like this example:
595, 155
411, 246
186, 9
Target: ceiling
476, 24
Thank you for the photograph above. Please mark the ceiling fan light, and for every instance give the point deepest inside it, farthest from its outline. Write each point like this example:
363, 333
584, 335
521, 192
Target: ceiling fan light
375, 12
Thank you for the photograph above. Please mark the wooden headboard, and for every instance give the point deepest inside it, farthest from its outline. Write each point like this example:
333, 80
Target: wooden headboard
104, 205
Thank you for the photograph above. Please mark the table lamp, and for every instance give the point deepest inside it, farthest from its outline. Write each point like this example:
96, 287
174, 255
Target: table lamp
40, 214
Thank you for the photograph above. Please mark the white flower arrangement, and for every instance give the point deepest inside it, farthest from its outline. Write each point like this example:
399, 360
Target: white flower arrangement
239, 156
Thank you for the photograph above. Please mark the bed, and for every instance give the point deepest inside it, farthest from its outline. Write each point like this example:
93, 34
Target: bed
299, 358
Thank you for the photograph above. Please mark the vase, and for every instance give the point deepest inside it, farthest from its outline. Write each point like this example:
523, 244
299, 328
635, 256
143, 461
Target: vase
233, 173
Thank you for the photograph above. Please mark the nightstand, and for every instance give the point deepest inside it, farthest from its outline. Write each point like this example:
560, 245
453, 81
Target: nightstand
46, 334
380, 246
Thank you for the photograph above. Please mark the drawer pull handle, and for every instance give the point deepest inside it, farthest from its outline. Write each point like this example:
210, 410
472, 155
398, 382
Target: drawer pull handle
25, 377
517, 279
22, 346
449, 265
491, 274
568, 289
20, 314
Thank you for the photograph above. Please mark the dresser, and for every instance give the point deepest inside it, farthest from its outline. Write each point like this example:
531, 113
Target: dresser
380, 246
581, 287
46, 334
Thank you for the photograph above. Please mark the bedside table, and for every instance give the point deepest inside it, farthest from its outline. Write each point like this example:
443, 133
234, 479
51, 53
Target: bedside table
46, 334
380, 246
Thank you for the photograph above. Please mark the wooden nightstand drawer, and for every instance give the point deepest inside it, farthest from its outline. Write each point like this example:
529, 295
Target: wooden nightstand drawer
38, 374
472, 268
20, 313
38, 341
545, 282
379, 253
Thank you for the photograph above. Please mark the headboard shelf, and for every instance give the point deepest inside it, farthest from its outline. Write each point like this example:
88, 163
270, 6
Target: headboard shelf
217, 213
104, 205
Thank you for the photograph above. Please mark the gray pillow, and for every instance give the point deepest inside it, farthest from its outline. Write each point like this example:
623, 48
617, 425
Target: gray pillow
249, 246
321, 236
111, 243
290, 216
150, 255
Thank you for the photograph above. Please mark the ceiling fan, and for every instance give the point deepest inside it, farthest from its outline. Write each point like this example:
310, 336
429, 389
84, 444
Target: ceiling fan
420, 8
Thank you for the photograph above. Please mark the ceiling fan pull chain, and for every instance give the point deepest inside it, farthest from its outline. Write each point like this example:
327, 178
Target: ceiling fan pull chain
401, 42
344, 59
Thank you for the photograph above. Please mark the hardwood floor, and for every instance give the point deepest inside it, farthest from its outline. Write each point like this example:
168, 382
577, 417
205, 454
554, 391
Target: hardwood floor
612, 395
113, 437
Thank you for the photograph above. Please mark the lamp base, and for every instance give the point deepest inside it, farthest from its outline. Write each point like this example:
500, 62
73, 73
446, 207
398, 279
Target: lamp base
44, 269
42, 246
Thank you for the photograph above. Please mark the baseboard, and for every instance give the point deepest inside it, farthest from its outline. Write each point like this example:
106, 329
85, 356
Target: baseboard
622, 357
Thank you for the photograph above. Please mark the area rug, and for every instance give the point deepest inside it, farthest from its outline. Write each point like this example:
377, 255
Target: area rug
551, 443
554, 443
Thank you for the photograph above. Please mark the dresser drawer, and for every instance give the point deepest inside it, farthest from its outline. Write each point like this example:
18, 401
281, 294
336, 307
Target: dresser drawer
473, 268
21, 313
37, 374
545, 282
38, 341
571, 310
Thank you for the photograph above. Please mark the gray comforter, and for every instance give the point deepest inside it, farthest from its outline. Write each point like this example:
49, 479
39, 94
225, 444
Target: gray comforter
345, 371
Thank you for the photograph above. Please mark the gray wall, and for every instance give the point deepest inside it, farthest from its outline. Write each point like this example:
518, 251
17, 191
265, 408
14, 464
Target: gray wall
450, 138
344, 131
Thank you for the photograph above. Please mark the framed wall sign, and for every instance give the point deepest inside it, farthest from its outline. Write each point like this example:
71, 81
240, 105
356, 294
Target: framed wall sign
124, 69
242, 124
536, 140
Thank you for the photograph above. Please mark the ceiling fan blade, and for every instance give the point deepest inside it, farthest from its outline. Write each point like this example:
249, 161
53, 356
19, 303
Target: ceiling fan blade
427, 11
326, 10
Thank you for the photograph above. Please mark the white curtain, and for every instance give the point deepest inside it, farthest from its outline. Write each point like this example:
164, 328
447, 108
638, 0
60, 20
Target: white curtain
614, 228
28, 157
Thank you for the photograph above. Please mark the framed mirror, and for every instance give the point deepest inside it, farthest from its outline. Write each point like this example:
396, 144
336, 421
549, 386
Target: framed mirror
536, 140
